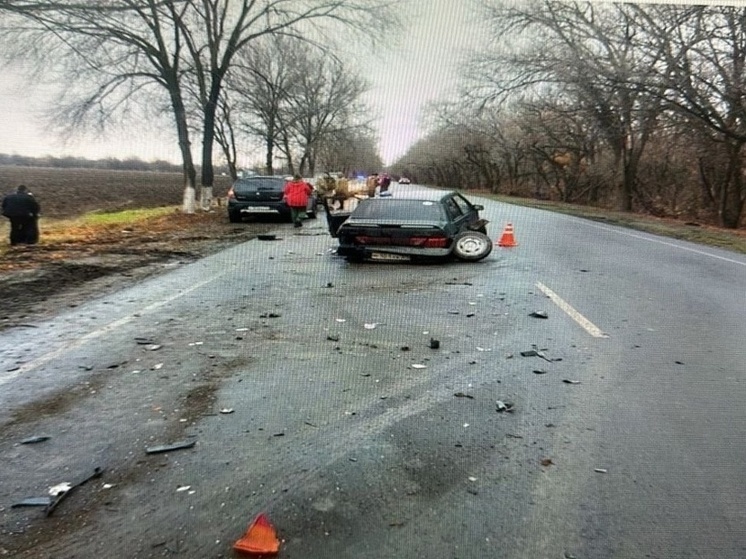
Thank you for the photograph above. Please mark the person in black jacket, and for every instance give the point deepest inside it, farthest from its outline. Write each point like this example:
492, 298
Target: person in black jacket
23, 211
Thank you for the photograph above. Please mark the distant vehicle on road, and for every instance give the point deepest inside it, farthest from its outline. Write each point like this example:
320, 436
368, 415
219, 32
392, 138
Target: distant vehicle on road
255, 196
412, 225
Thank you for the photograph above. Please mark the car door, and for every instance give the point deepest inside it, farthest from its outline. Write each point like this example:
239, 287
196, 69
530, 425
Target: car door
458, 220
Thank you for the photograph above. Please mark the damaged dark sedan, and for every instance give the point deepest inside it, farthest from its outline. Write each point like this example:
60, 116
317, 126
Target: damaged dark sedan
412, 225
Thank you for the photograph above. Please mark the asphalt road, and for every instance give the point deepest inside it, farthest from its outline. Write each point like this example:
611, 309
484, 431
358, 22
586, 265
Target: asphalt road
358, 439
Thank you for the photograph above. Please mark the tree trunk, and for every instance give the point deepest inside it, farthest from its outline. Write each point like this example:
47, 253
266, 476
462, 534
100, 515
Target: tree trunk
731, 202
190, 173
208, 141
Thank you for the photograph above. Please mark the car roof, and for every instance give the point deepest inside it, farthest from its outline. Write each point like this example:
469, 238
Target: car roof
421, 194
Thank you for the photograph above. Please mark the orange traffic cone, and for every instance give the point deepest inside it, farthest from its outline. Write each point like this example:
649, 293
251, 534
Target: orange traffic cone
507, 239
260, 539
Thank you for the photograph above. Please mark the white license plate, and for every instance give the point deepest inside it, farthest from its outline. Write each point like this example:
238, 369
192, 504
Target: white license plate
259, 209
389, 257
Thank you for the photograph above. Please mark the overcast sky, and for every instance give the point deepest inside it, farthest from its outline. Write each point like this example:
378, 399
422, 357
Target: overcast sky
420, 68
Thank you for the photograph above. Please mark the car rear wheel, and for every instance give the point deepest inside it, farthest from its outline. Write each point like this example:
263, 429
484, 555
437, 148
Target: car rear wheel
471, 246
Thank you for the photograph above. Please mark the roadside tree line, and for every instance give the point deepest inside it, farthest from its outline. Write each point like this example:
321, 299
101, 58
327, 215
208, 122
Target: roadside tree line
635, 106
224, 70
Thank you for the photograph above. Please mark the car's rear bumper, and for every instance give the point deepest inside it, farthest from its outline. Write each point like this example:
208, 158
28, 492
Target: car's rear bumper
369, 251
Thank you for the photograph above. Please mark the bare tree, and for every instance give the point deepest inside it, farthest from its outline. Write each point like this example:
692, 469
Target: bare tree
702, 76
127, 45
149, 37
589, 54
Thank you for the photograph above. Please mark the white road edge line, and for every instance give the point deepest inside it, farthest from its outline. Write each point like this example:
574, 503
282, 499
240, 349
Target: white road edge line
669, 244
584, 323
47, 357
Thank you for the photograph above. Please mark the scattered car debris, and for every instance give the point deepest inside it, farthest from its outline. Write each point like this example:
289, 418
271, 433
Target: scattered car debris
60, 488
418, 366
144, 341
513, 436
329, 285
601, 470
169, 447
279, 434
463, 395
504, 406
267, 237
33, 502
434, 344
540, 371
270, 315
154, 347
530, 353
404, 348
97, 472
568, 381
370, 325
227, 410
539, 314
546, 462
35, 439
183, 488
333, 337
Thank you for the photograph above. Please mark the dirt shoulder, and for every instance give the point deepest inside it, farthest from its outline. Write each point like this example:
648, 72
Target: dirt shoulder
40, 280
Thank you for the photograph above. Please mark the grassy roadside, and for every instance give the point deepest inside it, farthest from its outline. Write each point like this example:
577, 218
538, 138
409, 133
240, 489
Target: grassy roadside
92, 225
734, 240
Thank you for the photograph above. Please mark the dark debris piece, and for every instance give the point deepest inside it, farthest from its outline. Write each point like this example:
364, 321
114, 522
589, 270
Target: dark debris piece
539, 314
463, 395
36, 439
169, 447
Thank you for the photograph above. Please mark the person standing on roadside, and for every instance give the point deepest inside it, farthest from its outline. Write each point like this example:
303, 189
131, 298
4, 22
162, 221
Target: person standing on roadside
22, 209
296, 194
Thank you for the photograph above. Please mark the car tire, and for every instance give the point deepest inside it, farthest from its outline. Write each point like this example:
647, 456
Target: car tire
234, 217
471, 246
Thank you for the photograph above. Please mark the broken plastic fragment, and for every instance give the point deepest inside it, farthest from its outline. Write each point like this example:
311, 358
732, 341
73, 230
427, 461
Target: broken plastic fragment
503, 406
183, 488
418, 366
601, 470
539, 314
530, 353
370, 325
227, 410
434, 344
463, 395
568, 381
60, 488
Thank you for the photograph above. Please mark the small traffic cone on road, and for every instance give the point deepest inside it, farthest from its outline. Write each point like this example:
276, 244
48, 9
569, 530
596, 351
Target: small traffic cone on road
260, 539
507, 239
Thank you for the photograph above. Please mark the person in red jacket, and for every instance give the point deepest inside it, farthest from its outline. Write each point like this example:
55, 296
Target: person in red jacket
296, 193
